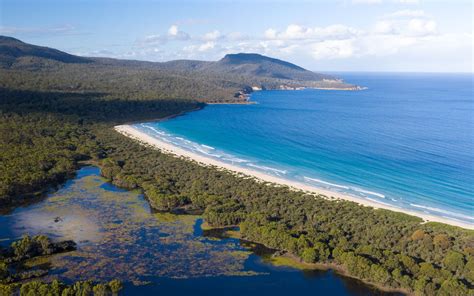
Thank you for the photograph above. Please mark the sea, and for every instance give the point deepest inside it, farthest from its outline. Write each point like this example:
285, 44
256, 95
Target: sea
407, 140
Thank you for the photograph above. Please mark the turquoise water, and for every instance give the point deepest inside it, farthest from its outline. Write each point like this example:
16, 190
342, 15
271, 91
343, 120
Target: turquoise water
407, 140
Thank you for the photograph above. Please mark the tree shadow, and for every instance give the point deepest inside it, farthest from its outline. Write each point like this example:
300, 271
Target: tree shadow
91, 107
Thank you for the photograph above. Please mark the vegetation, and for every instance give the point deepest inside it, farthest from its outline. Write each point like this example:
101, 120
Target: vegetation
57, 288
29, 67
44, 135
14, 271
12, 259
53, 118
389, 249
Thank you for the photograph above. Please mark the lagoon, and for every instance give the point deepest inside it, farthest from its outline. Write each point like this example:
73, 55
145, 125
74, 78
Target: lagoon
119, 236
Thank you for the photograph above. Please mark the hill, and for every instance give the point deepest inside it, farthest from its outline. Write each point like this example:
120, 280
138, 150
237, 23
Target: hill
13, 51
261, 66
251, 65
32, 67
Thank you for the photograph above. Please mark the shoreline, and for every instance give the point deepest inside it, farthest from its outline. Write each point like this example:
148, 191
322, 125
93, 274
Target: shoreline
171, 116
248, 102
288, 259
145, 139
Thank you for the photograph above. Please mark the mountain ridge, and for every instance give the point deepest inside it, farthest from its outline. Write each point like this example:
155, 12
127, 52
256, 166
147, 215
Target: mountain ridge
229, 79
242, 63
12, 48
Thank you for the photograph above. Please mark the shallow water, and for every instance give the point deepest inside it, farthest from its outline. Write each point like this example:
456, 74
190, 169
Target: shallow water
406, 141
119, 236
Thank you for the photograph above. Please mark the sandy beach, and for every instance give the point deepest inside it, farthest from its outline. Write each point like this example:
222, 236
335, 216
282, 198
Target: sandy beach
146, 139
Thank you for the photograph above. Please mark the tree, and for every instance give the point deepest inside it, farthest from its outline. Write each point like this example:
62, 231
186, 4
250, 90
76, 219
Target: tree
410, 264
453, 287
469, 270
7, 289
100, 290
309, 255
442, 241
418, 235
115, 286
428, 270
454, 261
379, 274
322, 251
44, 243
22, 247
3, 270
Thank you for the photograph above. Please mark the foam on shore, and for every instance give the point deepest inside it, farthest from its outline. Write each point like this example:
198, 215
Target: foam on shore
168, 147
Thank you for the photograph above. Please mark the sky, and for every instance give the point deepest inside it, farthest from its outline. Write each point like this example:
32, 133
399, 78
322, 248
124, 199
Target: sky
338, 35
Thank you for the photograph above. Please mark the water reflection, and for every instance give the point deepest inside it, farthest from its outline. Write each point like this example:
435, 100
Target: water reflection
120, 237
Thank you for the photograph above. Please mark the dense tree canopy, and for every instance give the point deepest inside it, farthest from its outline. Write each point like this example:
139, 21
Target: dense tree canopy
388, 249
53, 118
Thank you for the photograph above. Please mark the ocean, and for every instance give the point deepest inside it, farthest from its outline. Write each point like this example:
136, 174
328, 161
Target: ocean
406, 141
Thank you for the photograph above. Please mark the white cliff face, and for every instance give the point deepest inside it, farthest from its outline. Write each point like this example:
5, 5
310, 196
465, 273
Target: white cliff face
333, 80
289, 87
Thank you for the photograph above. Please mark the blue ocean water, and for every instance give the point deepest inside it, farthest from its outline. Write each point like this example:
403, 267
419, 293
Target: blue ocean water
407, 141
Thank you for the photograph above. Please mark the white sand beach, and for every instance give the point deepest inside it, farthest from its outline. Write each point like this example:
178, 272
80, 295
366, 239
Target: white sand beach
168, 148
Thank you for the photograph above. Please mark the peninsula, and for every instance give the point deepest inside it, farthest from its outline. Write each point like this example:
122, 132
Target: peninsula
59, 112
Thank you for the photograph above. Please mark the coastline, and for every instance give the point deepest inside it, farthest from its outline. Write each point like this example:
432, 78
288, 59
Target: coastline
145, 139
171, 116
248, 102
285, 258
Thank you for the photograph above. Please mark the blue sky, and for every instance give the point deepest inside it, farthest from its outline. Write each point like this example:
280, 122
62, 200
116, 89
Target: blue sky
345, 35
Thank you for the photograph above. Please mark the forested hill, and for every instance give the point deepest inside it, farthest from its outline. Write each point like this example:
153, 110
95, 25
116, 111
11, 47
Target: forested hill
13, 51
252, 65
258, 65
32, 67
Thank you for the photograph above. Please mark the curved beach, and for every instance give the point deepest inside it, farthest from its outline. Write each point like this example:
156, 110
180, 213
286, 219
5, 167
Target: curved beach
145, 139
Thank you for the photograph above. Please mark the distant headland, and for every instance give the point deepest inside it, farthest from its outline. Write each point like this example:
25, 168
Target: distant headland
228, 80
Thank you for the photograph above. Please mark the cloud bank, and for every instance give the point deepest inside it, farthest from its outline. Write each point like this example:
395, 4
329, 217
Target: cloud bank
401, 35
409, 31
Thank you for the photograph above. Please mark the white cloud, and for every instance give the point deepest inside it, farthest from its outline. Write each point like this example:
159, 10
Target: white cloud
389, 35
384, 45
408, 1
402, 33
206, 46
175, 34
372, 2
270, 34
173, 30
330, 49
420, 27
366, 1
406, 13
153, 39
213, 35
408, 23
297, 32
234, 36
384, 27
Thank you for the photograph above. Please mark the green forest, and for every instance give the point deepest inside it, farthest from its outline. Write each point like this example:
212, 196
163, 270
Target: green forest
47, 132
389, 249
46, 136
